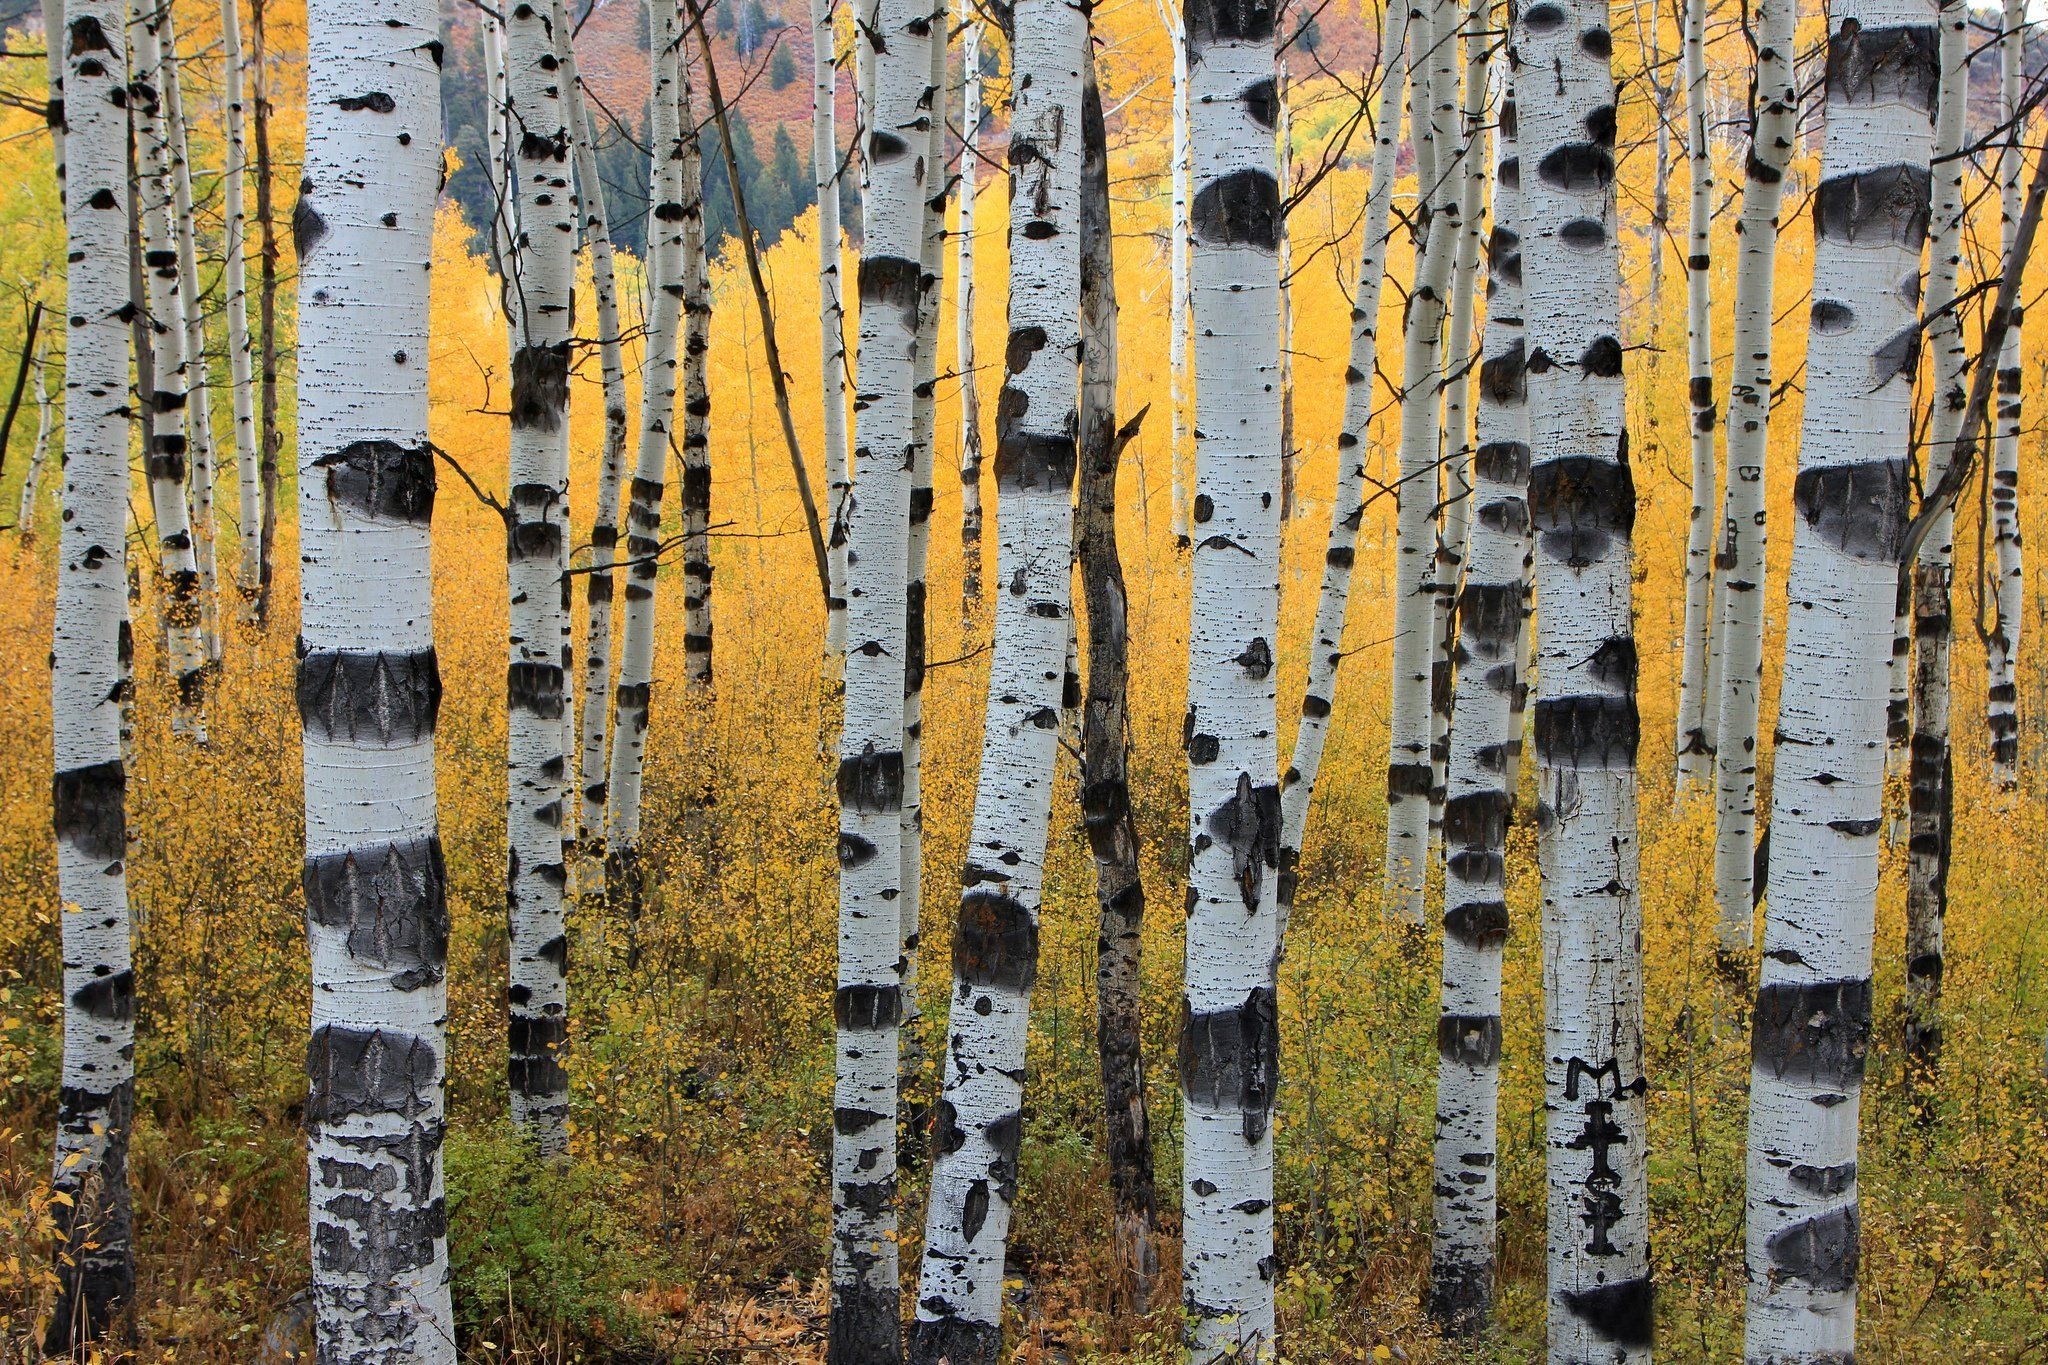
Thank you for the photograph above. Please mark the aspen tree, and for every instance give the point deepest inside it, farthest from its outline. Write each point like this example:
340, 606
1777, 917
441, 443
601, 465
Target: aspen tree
1695, 759
1738, 622
868, 1001
963, 339
2001, 650
369, 686
1479, 804
269, 441
1347, 502
1177, 274
1229, 1048
827, 171
95, 1257
1811, 1028
696, 405
32, 480
54, 60
980, 1117
235, 289
191, 321
1582, 507
1284, 139
1930, 790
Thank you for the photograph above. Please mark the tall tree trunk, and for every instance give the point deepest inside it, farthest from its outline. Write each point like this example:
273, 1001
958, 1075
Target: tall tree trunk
995, 944
1432, 46
667, 274
1347, 502
235, 287
1229, 1048
270, 440
1739, 605
1479, 804
593, 752
696, 405
55, 59
1695, 759
191, 321
537, 539
504, 197
1930, 789
963, 314
868, 1001
32, 481
1582, 506
1105, 735
1177, 249
369, 687
178, 563
2001, 650
1285, 140
828, 169
96, 1103
1812, 1017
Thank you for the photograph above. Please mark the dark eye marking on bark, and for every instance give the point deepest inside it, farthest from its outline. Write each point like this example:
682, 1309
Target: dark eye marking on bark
308, 227
1543, 18
1470, 1039
1815, 1033
367, 1072
1598, 43
885, 146
1024, 343
1884, 65
1825, 1181
1248, 824
540, 387
857, 1008
1407, 779
1509, 172
1831, 318
995, 943
1227, 21
890, 282
376, 102
1614, 662
872, 781
542, 147
88, 36
1239, 209
1859, 509
369, 698
1503, 380
534, 689
1577, 167
1478, 924
1035, 461
1506, 516
391, 899
1583, 234
1230, 1058
1205, 508
1489, 615
1889, 204
1262, 102
90, 807
945, 1336
109, 999
1256, 659
1897, 355
1602, 358
382, 479
1821, 1252
1587, 732
1580, 505
1622, 1312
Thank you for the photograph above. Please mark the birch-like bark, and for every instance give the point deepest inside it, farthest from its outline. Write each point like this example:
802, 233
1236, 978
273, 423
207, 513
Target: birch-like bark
1229, 1047
54, 61
2008, 586
1740, 565
1811, 1029
191, 320
1284, 139
868, 1002
604, 522
1347, 502
1177, 250
165, 459
1432, 45
963, 336
269, 440
696, 405
827, 168
1695, 760
665, 289
32, 479
995, 943
1582, 507
537, 539
95, 1258
369, 686
1930, 786
235, 290
1479, 804
497, 128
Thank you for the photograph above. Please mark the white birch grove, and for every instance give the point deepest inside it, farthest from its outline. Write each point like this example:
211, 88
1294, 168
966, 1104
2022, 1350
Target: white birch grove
1182, 472
234, 248
537, 539
1695, 760
1582, 507
2008, 583
1738, 618
1479, 804
963, 319
1229, 1045
96, 1100
980, 1119
695, 403
1347, 502
164, 405
369, 686
868, 1000
828, 168
191, 321
1813, 1006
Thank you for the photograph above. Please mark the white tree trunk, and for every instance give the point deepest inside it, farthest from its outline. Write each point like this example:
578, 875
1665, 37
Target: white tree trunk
827, 172
1177, 274
696, 408
1284, 139
1695, 760
497, 140
1347, 502
369, 687
2001, 651
1582, 506
1479, 804
868, 1002
1229, 1050
96, 1104
963, 310
32, 479
995, 944
1739, 590
191, 320
54, 62
1812, 1018
235, 289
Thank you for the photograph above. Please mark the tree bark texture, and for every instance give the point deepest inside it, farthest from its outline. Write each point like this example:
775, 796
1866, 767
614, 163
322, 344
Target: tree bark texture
2001, 650
828, 167
235, 287
963, 336
1694, 757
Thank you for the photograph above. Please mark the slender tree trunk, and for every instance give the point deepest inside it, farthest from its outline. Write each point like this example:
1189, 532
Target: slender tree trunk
2001, 650
32, 481
1285, 141
963, 311
604, 526
1480, 805
191, 320
1695, 759
235, 289
1812, 1017
696, 403
1177, 250
1432, 44
1347, 502
666, 277
54, 61
868, 1001
178, 585
369, 687
827, 169
1582, 506
504, 196
1741, 565
270, 439
537, 539
1930, 789
1229, 1048
995, 944
95, 1261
